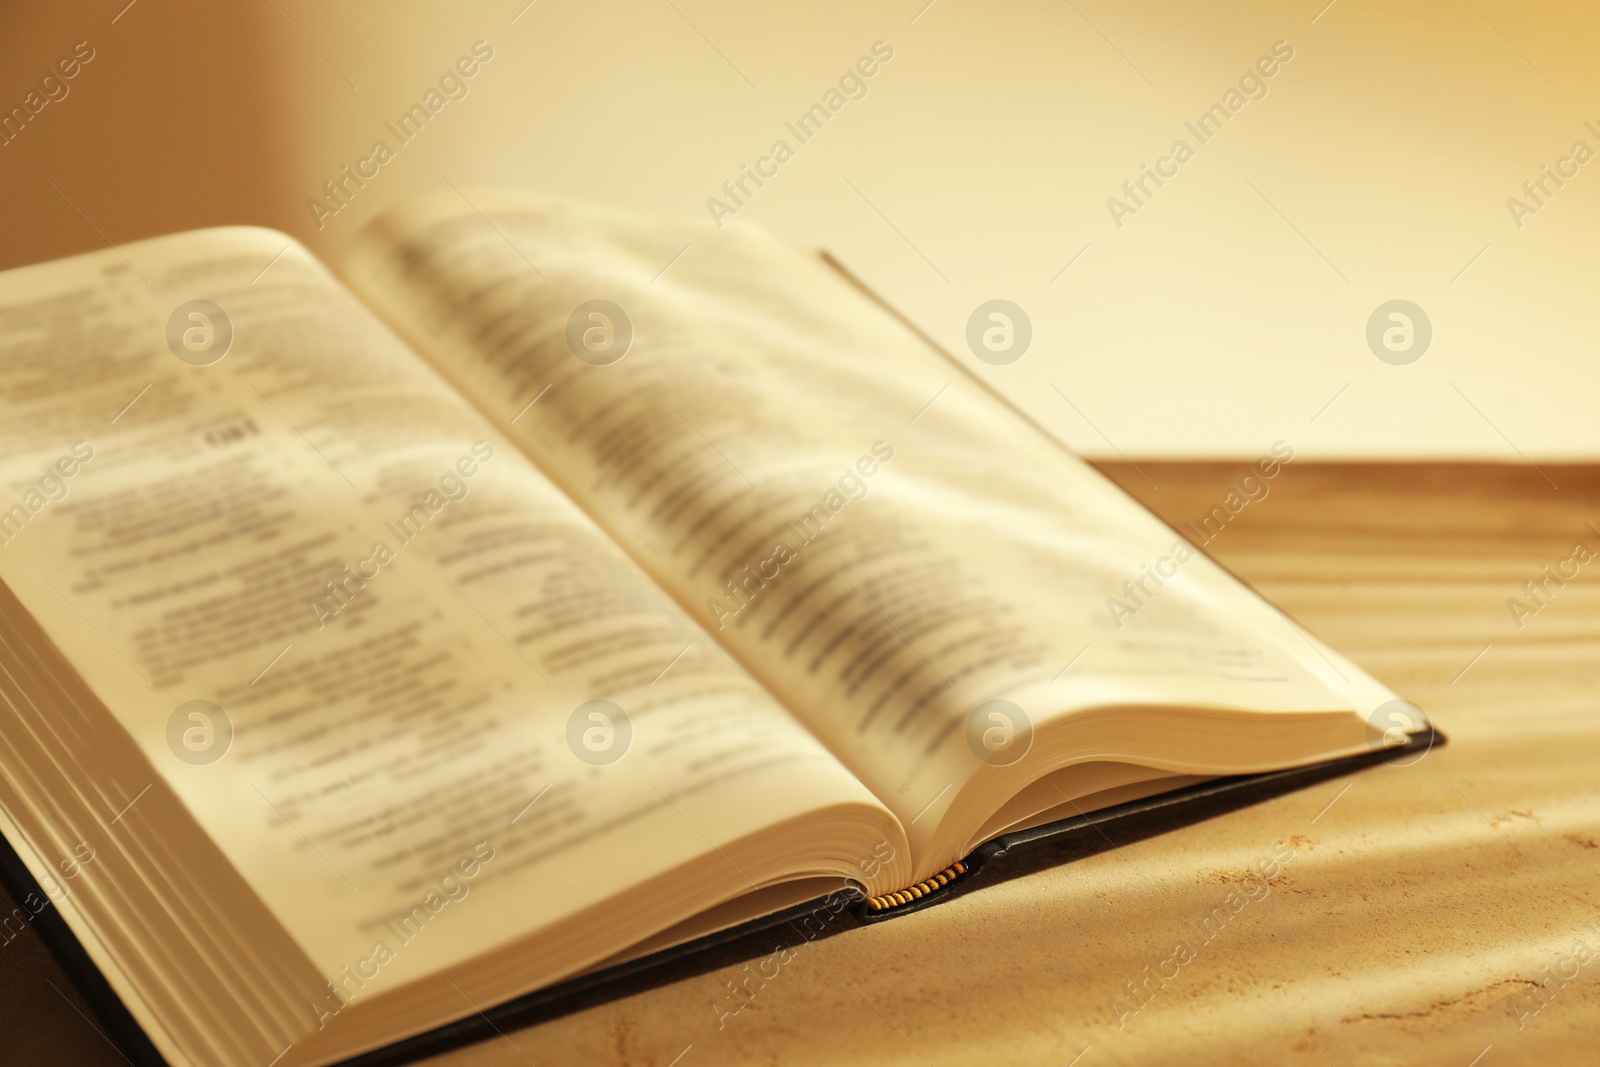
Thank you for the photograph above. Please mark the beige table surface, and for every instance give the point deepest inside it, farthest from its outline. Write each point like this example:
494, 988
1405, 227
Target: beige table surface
1419, 901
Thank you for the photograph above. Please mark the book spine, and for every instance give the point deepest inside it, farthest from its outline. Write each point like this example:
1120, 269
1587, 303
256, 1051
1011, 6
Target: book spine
918, 891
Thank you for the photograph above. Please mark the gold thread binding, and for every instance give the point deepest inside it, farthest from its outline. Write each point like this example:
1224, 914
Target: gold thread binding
918, 891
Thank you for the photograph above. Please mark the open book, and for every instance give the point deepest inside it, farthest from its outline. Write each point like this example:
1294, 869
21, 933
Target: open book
541, 594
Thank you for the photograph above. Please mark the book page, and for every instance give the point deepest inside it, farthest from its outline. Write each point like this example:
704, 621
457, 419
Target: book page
418, 698
874, 535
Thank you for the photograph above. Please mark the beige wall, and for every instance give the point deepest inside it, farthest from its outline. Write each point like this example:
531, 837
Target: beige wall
1221, 316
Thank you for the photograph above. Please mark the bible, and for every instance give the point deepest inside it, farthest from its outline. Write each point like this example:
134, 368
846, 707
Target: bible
553, 590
